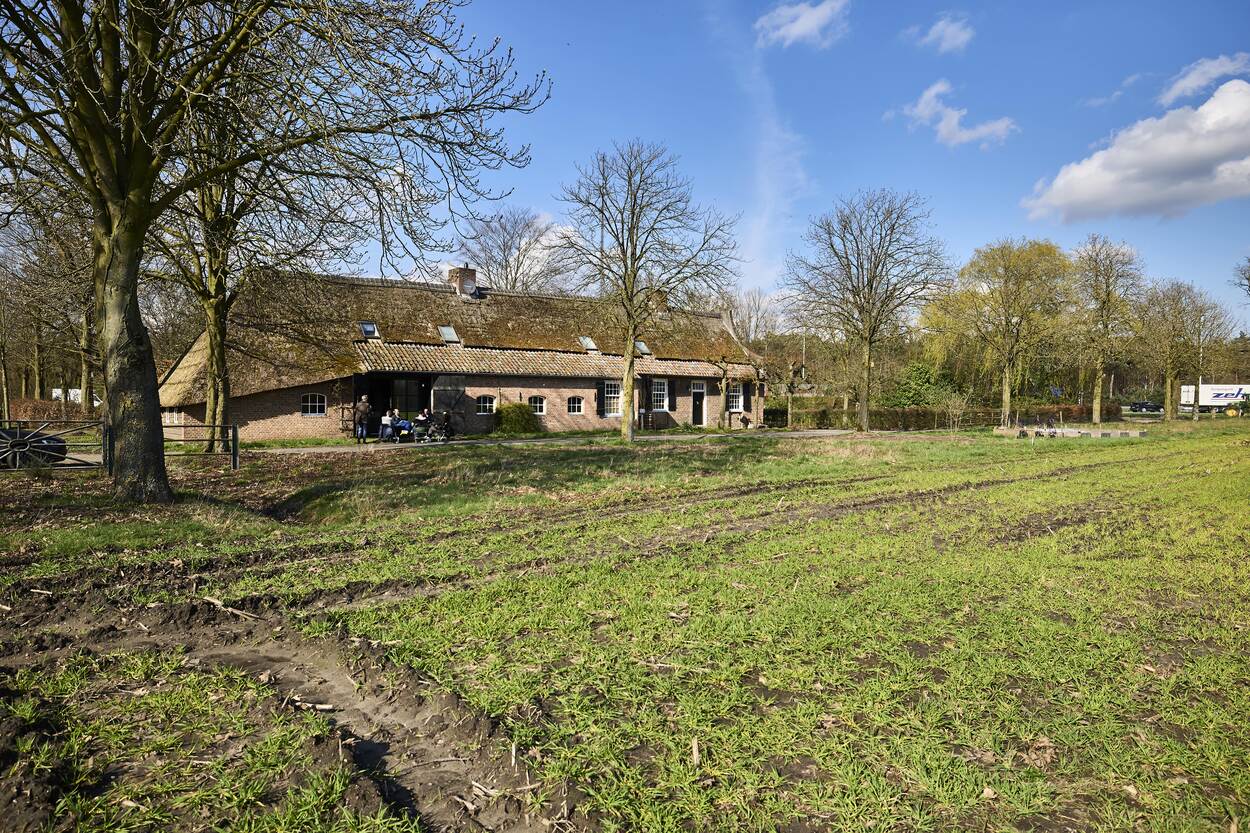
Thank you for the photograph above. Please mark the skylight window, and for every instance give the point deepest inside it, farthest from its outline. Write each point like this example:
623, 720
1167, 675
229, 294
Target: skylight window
448, 334
369, 329
642, 348
587, 342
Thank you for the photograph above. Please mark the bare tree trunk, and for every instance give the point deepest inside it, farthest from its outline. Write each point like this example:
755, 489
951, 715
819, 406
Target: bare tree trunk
1169, 402
1006, 418
865, 385
132, 402
789, 409
627, 387
1197, 396
4, 369
40, 381
1096, 403
217, 400
86, 394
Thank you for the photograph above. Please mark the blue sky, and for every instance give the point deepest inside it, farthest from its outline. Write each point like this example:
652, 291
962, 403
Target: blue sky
776, 109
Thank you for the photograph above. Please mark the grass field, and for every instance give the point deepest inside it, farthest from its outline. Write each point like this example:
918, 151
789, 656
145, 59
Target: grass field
863, 633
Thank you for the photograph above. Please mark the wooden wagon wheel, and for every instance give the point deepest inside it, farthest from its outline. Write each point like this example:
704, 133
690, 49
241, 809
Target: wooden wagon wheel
17, 449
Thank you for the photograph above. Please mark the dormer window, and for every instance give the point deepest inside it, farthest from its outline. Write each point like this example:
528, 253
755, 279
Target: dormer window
369, 329
588, 344
448, 334
642, 348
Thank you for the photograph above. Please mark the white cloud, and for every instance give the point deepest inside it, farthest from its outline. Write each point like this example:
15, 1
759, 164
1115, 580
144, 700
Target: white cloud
819, 25
1159, 166
1119, 91
948, 34
1200, 75
947, 121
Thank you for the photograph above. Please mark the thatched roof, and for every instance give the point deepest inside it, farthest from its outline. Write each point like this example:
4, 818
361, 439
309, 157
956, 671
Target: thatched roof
274, 345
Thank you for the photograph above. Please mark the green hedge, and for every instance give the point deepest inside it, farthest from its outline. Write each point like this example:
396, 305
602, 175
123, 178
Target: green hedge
819, 413
517, 418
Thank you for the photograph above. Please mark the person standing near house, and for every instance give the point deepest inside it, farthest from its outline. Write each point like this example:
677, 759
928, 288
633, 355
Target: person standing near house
360, 416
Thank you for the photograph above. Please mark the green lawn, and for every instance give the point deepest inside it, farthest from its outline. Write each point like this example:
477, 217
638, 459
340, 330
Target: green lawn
917, 633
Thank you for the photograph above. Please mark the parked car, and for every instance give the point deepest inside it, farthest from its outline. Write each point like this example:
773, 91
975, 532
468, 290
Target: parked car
1145, 407
21, 448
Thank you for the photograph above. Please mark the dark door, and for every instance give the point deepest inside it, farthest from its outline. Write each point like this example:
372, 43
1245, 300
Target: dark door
696, 403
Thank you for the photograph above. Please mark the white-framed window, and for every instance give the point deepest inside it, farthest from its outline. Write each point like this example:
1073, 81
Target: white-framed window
611, 398
485, 404
369, 329
171, 416
575, 405
588, 343
312, 405
698, 386
448, 334
642, 348
659, 394
538, 405
733, 397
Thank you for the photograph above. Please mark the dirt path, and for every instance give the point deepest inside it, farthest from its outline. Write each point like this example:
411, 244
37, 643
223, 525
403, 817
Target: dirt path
430, 754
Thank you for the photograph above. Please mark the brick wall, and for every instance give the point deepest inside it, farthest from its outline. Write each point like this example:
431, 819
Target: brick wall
270, 415
557, 392
277, 414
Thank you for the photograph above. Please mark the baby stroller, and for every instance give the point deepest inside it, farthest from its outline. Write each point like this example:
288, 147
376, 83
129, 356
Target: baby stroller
440, 430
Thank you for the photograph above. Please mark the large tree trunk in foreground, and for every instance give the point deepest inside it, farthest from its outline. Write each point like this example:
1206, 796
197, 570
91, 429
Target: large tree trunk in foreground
1096, 405
865, 386
217, 400
130, 385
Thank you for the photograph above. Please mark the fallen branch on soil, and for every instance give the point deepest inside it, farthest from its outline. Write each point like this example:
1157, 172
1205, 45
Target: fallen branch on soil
220, 605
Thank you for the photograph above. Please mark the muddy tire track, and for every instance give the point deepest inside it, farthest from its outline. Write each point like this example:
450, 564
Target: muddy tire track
431, 754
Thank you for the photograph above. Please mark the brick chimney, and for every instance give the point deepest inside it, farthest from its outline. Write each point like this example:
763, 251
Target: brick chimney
463, 280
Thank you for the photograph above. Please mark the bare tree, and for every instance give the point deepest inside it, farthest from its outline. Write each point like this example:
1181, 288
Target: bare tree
1161, 314
515, 249
636, 237
754, 314
254, 227
1010, 301
47, 266
871, 262
1242, 276
1207, 327
1108, 280
95, 97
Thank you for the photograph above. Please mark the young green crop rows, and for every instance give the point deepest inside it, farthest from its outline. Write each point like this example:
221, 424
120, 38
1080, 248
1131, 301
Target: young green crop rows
926, 634
925, 664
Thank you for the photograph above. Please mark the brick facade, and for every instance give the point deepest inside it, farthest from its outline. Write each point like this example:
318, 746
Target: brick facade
276, 414
557, 392
271, 415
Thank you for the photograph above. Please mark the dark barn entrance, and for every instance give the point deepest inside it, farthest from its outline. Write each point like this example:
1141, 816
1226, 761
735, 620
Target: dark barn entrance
407, 394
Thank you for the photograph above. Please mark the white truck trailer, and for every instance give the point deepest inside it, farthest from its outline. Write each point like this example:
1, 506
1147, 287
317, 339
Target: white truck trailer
1215, 397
